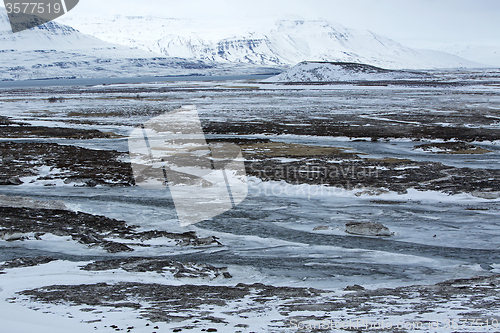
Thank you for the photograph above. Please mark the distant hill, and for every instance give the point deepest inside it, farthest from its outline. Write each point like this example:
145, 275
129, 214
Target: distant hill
483, 53
312, 71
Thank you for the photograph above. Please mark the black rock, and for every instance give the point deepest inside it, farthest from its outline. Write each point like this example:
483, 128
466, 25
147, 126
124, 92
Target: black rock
10, 181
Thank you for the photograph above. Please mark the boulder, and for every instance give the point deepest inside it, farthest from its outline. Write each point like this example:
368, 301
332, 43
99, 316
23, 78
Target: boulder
486, 195
10, 236
355, 287
10, 181
367, 229
321, 227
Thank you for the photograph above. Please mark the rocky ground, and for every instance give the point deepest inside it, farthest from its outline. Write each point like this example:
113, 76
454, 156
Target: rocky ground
337, 167
416, 126
163, 307
309, 165
31, 155
29, 223
49, 161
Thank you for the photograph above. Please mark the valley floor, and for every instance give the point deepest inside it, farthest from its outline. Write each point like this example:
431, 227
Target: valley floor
84, 249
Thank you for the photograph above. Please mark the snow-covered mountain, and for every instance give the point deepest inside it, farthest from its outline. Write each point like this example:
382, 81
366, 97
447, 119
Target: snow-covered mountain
340, 71
483, 53
48, 36
285, 42
55, 50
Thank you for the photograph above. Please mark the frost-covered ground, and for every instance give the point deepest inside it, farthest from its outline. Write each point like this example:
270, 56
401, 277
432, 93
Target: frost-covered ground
421, 160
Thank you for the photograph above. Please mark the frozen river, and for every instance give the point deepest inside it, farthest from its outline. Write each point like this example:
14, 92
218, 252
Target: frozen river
125, 80
436, 237
300, 237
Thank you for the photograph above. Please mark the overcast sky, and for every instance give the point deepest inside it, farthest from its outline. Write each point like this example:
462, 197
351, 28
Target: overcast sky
415, 23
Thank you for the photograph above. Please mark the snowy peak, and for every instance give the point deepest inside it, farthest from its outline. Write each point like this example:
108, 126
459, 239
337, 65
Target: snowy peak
282, 43
295, 41
51, 35
4, 21
55, 50
50, 27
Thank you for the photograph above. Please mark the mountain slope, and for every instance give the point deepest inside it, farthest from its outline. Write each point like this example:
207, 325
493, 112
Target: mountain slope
284, 42
483, 53
55, 50
340, 72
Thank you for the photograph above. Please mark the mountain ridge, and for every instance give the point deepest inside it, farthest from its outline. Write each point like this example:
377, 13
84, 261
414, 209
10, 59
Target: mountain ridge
280, 43
484, 53
55, 50
324, 71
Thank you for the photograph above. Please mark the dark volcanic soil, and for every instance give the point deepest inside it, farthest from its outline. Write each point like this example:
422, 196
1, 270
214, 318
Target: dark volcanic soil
14, 129
159, 265
313, 166
85, 228
26, 262
348, 170
474, 298
356, 127
452, 148
79, 165
26, 131
415, 114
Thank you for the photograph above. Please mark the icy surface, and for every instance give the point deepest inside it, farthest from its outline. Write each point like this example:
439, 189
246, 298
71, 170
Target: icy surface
8, 201
436, 236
